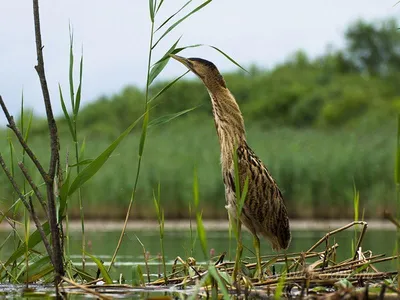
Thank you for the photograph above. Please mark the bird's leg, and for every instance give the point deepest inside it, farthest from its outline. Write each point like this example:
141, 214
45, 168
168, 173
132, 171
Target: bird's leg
256, 243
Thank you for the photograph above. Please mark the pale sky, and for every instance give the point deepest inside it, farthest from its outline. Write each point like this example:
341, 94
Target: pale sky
114, 37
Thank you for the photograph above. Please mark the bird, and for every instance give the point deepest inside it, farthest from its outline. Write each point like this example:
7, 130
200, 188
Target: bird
264, 212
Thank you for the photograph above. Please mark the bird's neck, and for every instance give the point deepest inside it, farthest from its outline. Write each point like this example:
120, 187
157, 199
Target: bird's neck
228, 123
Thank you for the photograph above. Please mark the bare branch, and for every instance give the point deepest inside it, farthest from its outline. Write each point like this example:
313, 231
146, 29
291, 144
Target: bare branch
14, 128
54, 158
29, 207
33, 186
54, 155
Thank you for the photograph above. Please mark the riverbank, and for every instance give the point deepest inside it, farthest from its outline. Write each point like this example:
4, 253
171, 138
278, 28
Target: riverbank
182, 225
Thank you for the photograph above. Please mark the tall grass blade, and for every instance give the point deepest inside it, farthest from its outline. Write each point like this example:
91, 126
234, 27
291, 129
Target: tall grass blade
79, 90
137, 276
167, 87
151, 10
397, 166
159, 5
201, 232
64, 196
173, 15
71, 68
168, 118
65, 111
228, 57
104, 273
160, 65
144, 132
214, 274
96, 164
279, 288
34, 239
180, 21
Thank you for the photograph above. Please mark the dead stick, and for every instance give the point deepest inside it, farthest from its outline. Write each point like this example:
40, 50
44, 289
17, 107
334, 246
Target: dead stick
54, 154
84, 288
334, 232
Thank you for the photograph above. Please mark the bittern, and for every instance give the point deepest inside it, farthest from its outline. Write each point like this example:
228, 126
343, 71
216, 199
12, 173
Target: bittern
264, 212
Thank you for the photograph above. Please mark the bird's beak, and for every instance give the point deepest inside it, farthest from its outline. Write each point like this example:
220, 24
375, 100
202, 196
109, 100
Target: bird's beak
182, 60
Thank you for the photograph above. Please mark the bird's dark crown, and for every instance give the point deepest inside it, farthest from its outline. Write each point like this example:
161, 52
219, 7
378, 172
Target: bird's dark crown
203, 62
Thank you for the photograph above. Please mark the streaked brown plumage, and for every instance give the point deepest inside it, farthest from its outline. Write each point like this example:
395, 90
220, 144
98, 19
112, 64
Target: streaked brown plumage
264, 212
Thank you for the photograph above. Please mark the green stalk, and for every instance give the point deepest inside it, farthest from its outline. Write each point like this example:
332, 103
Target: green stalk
397, 182
141, 147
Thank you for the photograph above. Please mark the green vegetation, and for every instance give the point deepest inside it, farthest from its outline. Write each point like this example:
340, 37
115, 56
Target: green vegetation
320, 125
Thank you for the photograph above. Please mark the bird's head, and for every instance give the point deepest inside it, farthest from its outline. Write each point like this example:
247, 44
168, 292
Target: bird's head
204, 69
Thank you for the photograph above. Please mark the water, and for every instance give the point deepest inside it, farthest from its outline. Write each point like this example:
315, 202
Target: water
178, 243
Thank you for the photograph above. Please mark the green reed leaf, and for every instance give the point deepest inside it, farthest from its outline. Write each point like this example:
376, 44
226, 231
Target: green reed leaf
65, 111
99, 161
228, 57
137, 276
106, 277
79, 91
180, 21
167, 118
173, 15
221, 284
144, 132
71, 67
151, 10
34, 239
167, 87
160, 65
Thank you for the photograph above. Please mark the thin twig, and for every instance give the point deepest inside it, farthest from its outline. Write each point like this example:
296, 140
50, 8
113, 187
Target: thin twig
14, 128
33, 186
334, 232
28, 206
360, 239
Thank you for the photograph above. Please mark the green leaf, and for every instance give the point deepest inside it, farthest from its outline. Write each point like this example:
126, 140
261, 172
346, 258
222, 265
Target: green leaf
28, 128
397, 168
151, 9
35, 269
177, 12
167, 87
96, 164
101, 267
214, 273
82, 162
71, 67
64, 195
194, 294
160, 65
144, 132
202, 234
228, 57
159, 5
34, 239
79, 91
180, 21
65, 111
170, 117
243, 196
137, 276
177, 50
195, 189
279, 287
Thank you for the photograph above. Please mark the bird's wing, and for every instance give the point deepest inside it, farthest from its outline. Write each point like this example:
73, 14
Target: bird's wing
264, 201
